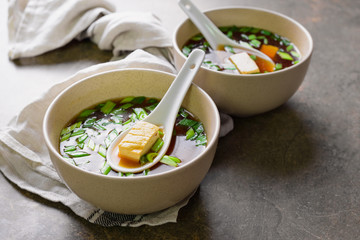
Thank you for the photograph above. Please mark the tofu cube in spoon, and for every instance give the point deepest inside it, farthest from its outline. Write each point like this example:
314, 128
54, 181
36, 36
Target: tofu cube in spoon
138, 141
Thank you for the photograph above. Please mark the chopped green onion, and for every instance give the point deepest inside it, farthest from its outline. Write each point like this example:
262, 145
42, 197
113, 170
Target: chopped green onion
295, 54
78, 154
105, 169
264, 32
186, 50
140, 113
110, 137
116, 119
69, 148
99, 127
127, 100
86, 113
65, 137
255, 30
278, 66
126, 105
91, 144
82, 138
153, 100
118, 111
89, 122
199, 127
81, 145
146, 172
229, 34
183, 112
286, 42
70, 128
256, 43
285, 56
77, 132
138, 100
190, 133
161, 134
201, 140
289, 48
252, 37
108, 107
150, 156
157, 145
102, 150
187, 122
169, 160
245, 29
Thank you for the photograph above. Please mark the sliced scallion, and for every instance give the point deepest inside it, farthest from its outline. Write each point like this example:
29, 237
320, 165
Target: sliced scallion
278, 66
187, 122
295, 54
86, 113
108, 107
105, 169
256, 43
201, 140
170, 160
157, 145
82, 138
102, 150
77, 154
65, 137
69, 148
285, 56
140, 113
189, 133
91, 144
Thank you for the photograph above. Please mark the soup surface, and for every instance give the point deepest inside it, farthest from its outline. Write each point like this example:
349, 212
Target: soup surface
283, 52
84, 141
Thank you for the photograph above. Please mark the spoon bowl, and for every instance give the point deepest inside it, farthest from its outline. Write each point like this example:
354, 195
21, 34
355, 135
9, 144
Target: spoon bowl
212, 33
164, 115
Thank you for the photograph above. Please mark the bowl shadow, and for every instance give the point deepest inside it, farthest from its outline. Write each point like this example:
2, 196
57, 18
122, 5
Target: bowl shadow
277, 143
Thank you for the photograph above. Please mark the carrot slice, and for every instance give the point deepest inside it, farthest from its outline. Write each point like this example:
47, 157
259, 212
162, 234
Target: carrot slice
269, 50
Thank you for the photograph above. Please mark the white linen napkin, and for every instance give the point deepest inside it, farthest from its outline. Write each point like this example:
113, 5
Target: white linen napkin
36, 27
24, 158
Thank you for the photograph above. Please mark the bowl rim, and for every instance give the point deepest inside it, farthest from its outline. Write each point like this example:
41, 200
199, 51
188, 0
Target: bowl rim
302, 61
52, 149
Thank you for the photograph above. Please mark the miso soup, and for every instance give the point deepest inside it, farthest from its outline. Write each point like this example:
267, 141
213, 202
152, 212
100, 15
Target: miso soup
280, 49
84, 141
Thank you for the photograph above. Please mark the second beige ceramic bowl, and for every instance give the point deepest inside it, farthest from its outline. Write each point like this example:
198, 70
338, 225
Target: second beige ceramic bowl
130, 195
246, 95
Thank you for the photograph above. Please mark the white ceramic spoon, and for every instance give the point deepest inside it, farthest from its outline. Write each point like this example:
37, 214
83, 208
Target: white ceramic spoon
212, 33
164, 115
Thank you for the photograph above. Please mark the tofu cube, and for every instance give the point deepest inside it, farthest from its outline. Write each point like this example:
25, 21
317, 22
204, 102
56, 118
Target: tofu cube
244, 63
138, 141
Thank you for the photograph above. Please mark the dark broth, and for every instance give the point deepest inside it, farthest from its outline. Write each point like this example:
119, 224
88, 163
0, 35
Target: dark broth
83, 142
287, 54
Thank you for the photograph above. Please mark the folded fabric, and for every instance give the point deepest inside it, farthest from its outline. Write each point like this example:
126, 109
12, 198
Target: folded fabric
36, 27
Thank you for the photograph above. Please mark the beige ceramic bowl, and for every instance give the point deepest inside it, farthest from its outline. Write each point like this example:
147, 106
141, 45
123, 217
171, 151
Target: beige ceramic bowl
135, 195
245, 95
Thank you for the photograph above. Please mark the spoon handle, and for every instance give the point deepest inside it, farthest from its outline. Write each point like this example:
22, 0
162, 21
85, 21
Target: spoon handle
169, 105
210, 31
